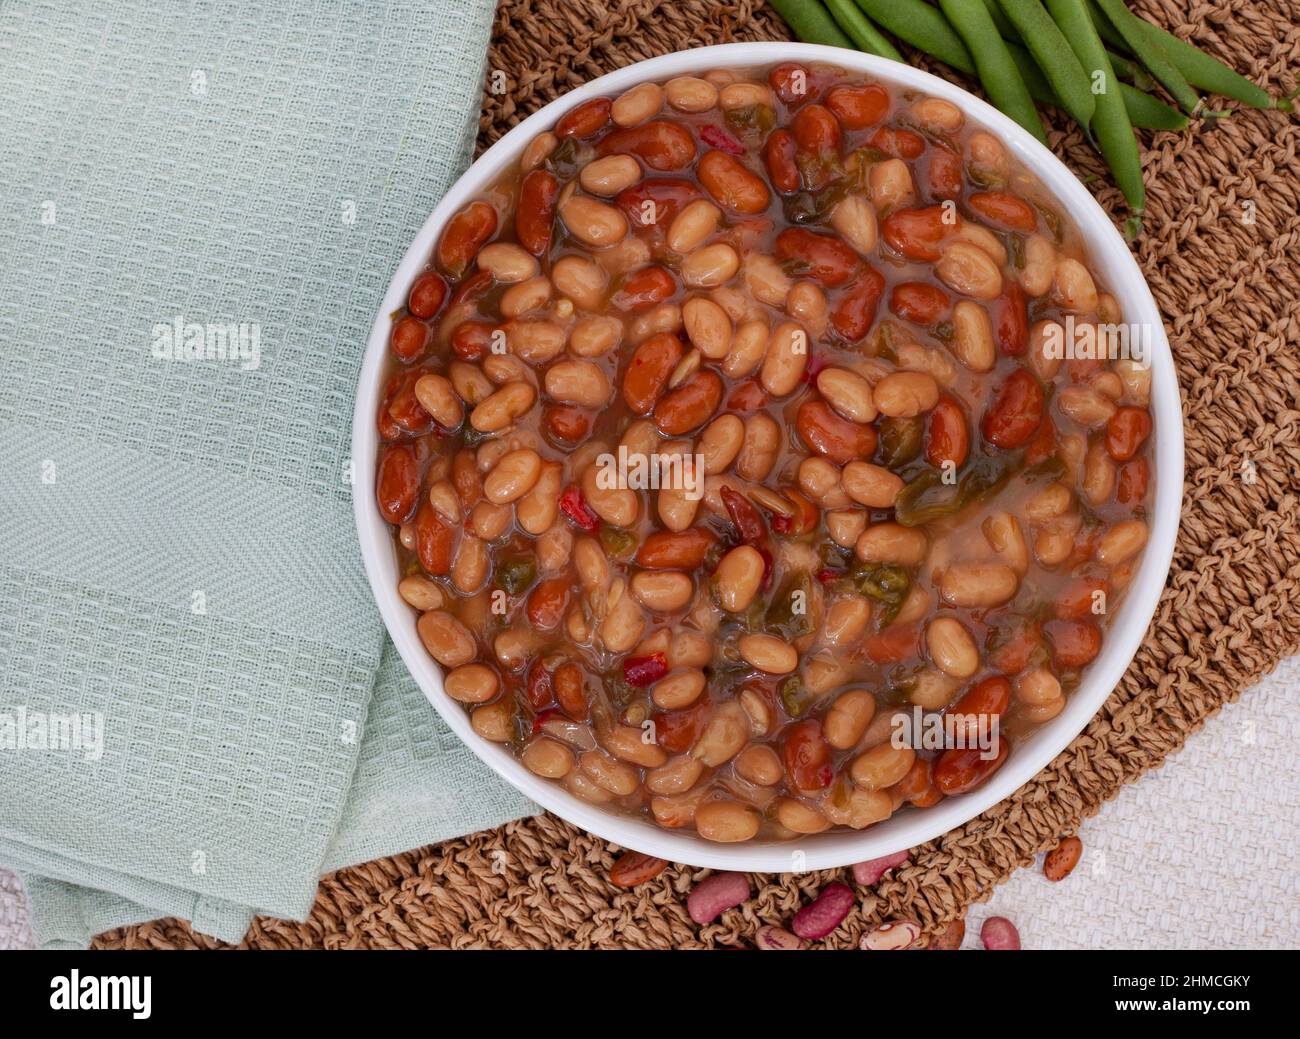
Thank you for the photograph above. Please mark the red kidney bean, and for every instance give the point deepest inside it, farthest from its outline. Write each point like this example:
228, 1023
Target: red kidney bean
820, 917
1016, 413
917, 234
731, 184
535, 211
770, 937
1013, 320
822, 256
690, 405
919, 302
473, 288
999, 933
669, 195
793, 84
565, 425
675, 550
958, 771
633, 868
895, 643
858, 107
1043, 444
807, 758
403, 408
947, 438
409, 338
587, 120
429, 292
648, 371
547, 603
1074, 601
1074, 643
714, 895
434, 540
465, 234
985, 700
747, 397
779, 158
398, 485
660, 144
1133, 479
855, 310
471, 340
868, 873
1062, 859
1014, 654
571, 691
816, 131
677, 731
833, 436
539, 687
644, 288
1126, 432
1009, 212
945, 174
898, 144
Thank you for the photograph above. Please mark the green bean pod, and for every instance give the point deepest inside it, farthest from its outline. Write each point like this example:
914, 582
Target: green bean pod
1055, 57
997, 69
865, 36
1144, 111
1114, 131
919, 24
811, 22
1144, 41
1201, 70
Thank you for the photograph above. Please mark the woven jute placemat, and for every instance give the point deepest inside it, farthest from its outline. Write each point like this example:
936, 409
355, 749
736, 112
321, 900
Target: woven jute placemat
1221, 253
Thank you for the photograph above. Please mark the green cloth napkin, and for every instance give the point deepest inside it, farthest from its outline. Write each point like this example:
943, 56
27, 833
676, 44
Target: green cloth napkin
178, 565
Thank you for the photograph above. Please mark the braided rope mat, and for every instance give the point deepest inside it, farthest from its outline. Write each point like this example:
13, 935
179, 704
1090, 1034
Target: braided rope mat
1231, 301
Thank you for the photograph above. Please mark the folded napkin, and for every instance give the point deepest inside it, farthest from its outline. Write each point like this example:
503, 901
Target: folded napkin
199, 710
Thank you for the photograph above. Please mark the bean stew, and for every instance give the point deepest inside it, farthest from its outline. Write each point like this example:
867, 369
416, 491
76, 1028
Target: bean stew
748, 416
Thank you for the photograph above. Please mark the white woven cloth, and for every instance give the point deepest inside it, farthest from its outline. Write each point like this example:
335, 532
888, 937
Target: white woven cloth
1199, 854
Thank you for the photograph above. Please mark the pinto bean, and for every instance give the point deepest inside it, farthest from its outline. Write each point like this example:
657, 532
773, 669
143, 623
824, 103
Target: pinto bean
848, 393
951, 647
848, 718
892, 543
905, 394
786, 359
978, 585
768, 654
732, 185
726, 822
871, 485
663, 591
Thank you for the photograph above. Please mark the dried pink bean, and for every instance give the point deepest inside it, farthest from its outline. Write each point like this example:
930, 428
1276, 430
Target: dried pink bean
820, 917
870, 872
714, 895
776, 938
999, 933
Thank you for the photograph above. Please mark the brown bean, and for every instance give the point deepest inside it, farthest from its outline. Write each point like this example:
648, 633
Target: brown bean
978, 585
892, 543
448, 640
951, 647
760, 765
472, 683
663, 590
768, 654
547, 757
905, 394
786, 359
726, 822
848, 718
881, 766
871, 485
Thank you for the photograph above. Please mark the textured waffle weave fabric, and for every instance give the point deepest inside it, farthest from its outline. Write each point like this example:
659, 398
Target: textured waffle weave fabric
1229, 294
177, 554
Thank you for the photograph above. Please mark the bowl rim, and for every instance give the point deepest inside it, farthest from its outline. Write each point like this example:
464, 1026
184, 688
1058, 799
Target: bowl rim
1108, 253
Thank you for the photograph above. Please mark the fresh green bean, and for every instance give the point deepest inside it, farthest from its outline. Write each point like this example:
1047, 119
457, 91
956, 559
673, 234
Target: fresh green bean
1055, 57
997, 69
811, 22
1004, 24
1104, 29
1203, 71
1130, 71
1144, 111
859, 28
1150, 113
921, 25
1144, 41
1114, 131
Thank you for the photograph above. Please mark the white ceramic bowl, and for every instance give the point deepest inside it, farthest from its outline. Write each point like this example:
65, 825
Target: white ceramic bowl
1110, 257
